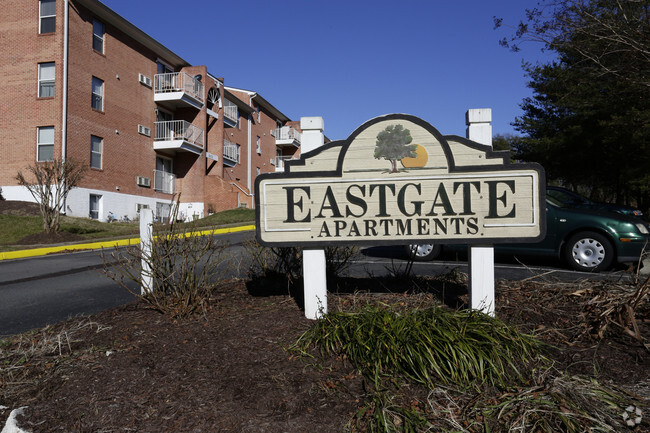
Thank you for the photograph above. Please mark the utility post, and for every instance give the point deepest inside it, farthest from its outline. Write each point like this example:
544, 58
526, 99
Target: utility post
481, 257
313, 260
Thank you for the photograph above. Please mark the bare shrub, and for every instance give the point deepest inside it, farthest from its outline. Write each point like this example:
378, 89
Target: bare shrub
184, 268
273, 263
286, 262
339, 259
50, 183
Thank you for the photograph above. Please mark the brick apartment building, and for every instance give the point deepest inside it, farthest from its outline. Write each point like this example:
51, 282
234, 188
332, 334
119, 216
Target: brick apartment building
81, 82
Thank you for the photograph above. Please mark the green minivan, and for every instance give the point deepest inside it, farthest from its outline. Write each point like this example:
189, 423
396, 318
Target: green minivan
585, 239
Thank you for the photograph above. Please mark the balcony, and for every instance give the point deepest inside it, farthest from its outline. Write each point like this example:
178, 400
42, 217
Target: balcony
178, 89
230, 114
164, 182
230, 153
280, 162
178, 135
287, 137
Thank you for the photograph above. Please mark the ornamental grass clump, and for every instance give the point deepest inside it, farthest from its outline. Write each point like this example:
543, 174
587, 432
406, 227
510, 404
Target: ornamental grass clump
561, 403
429, 346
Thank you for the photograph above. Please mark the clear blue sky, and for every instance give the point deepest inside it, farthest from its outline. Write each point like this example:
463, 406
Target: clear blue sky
350, 61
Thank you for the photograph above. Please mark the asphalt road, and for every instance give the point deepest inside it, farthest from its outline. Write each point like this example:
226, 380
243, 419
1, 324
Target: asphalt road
38, 291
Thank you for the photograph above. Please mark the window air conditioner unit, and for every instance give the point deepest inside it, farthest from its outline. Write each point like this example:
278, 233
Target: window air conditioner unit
272, 161
144, 130
272, 132
144, 80
143, 181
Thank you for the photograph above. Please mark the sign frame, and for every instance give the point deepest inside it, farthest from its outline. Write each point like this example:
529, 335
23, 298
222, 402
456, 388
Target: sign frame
493, 162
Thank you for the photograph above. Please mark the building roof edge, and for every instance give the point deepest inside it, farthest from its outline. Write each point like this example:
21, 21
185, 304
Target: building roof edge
263, 102
110, 16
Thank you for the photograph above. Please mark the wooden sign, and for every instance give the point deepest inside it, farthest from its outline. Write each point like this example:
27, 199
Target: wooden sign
397, 180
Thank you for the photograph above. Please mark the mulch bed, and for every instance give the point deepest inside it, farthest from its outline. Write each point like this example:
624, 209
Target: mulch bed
21, 208
133, 369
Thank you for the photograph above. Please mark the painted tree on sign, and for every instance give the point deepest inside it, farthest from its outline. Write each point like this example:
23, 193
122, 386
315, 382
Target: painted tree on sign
393, 144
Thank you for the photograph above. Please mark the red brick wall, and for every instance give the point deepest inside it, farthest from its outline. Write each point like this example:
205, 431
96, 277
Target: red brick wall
127, 103
21, 112
220, 195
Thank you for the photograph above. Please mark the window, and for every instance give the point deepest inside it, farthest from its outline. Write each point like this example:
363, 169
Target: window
98, 94
95, 201
259, 117
163, 68
98, 36
164, 180
45, 144
46, 16
96, 146
46, 80
258, 146
257, 171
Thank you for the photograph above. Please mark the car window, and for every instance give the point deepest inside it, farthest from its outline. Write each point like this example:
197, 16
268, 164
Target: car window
554, 201
566, 197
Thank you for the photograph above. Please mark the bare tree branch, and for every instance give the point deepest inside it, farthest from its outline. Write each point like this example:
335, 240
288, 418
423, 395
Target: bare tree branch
49, 184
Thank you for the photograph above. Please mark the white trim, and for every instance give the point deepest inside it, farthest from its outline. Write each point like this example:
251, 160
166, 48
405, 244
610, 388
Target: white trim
78, 203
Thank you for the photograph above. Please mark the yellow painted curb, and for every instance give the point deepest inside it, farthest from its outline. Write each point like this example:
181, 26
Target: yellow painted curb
21, 254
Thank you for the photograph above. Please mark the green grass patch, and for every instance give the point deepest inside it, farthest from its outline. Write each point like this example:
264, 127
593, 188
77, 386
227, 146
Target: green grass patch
90, 229
13, 228
232, 216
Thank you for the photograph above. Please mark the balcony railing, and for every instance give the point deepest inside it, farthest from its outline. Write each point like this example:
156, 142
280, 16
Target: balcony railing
230, 112
179, 82
164, 182
231, 151
173, 130
287, 135
280, 161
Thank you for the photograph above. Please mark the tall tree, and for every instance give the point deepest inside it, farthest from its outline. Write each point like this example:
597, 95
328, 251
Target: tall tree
611, 36
587, 121
49, 184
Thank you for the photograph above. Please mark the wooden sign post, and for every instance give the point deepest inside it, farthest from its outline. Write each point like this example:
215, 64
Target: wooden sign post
396, 181
481, 257
313, 259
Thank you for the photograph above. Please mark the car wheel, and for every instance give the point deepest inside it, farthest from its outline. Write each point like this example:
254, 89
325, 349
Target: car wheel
423, 252
589, 251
